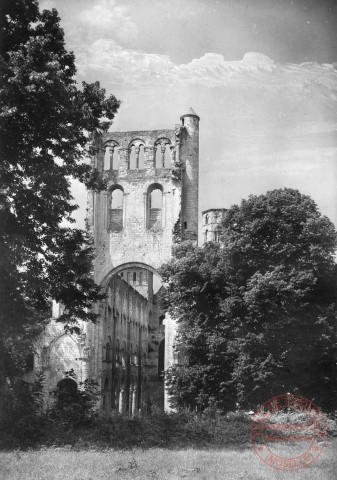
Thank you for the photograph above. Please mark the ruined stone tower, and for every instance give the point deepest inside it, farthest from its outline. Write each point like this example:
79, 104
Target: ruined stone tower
150, 203
211, 221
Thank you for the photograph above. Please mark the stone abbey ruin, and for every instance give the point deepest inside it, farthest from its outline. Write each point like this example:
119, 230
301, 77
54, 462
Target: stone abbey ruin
151, 202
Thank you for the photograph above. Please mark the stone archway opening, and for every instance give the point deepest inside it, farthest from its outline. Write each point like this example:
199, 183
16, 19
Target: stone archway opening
133, 325
67, 392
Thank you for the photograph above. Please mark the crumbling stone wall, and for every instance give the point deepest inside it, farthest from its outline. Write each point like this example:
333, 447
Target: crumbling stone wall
150, 202
211, 220
154, 174
58, 352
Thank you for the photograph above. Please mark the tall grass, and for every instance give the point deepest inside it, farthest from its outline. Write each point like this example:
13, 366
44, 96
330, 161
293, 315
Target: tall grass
112, 430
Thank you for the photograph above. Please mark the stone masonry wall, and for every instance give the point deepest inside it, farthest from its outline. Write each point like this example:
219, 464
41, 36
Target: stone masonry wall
136, 234
212, 218
135, 242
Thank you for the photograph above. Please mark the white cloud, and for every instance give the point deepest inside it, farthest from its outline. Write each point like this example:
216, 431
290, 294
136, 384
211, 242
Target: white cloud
122, 65
255, 70
105, 18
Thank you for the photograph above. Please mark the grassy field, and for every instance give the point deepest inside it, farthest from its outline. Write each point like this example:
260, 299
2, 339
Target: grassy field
164, 464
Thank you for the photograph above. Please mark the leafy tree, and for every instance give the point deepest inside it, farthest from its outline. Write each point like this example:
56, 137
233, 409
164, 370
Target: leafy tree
44, 122
257, 314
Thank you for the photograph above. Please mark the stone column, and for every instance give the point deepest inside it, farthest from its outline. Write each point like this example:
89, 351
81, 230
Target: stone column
137, 156
163, 148
170, 334
134, 402
111, 153
121, 402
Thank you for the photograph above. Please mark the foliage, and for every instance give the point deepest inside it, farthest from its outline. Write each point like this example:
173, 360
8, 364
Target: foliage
113, 430
45, 121
24, 420
257, 314
184, 429
77, 409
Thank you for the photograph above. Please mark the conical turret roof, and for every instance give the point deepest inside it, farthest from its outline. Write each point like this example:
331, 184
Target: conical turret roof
189, 112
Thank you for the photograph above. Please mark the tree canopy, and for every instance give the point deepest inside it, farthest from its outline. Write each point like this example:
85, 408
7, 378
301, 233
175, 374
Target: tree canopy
257, 313
45, 121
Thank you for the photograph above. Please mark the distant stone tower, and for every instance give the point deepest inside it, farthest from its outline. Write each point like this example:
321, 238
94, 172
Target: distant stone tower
211, 220
151, 202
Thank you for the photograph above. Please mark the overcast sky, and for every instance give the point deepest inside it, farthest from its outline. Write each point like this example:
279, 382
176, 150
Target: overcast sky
259, 73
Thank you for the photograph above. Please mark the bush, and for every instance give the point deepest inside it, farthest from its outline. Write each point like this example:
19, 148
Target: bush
77, 408
23, 421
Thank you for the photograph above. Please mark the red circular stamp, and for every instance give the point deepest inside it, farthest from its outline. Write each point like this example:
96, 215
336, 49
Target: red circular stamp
288, 432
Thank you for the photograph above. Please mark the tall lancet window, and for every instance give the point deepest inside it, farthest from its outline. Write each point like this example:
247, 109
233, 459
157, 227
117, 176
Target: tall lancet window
136, 155
116, 209
154, 207
111, 156
163, 153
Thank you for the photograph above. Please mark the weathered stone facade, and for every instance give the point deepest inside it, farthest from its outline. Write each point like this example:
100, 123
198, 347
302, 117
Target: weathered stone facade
151, 202
211, 220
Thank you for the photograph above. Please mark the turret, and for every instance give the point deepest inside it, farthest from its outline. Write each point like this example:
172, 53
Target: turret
212, 219
189, 156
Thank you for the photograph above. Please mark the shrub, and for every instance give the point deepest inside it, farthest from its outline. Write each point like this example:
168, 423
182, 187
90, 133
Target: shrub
76, 408
23, 421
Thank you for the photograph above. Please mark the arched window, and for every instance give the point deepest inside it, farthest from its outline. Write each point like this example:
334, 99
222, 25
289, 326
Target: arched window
132, 158
115, 158
206, 219
116, 209
136, 155
124, 355
141, 159
154, 207
67, 392
118, 359
156, 198
163, 153
131, 354
108, 353
107, 158
134, 277
111, 157
167, 158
